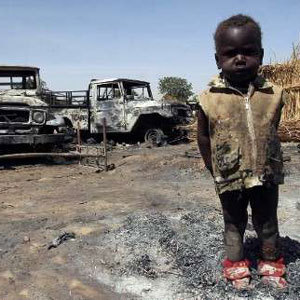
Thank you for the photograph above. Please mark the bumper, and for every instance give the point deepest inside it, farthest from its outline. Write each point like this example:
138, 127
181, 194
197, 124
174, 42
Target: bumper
34, 139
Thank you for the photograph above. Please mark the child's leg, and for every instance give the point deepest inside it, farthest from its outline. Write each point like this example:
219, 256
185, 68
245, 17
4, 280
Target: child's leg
264, 201
235, 215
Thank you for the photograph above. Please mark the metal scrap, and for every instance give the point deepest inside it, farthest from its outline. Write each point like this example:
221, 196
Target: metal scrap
65, 236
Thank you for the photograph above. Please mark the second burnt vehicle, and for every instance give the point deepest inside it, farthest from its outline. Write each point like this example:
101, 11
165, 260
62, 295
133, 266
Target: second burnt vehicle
26, 120
127, 105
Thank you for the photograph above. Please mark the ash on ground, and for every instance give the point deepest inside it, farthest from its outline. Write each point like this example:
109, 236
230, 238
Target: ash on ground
178, 256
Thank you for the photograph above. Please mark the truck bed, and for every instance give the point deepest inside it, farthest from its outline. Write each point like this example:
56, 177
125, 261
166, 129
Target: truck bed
67, 99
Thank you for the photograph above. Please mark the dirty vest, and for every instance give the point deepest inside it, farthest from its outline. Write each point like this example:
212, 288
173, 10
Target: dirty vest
245, 147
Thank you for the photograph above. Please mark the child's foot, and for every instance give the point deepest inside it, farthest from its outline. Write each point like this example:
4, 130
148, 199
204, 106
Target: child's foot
272, 272
276, 282
237, 272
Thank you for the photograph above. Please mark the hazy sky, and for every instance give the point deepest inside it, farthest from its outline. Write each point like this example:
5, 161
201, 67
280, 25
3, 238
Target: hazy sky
73, 41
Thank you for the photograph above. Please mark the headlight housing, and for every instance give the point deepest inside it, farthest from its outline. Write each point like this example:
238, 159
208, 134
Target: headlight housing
38, 117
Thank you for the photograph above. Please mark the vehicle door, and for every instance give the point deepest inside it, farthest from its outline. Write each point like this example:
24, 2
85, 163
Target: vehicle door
138, 99
110, 105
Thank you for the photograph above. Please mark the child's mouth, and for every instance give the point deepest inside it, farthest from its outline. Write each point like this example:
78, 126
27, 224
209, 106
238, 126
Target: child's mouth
239, 71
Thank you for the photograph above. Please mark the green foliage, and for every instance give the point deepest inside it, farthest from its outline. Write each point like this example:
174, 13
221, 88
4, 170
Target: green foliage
175, 88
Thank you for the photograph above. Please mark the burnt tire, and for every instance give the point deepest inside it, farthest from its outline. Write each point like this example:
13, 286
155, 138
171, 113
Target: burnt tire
154, 137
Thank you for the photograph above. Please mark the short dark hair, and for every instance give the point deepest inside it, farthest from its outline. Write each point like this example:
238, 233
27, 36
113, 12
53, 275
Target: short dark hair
238, 21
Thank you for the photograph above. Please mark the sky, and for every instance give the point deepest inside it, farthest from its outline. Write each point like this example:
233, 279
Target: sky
73, 41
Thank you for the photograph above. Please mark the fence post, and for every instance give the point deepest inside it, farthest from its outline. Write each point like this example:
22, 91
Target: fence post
105, 143
78, 137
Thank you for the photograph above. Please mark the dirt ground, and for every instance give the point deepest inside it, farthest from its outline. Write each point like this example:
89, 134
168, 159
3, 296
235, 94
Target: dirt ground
149, 229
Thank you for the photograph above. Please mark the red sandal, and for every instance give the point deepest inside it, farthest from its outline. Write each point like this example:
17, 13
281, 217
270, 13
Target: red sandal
272, 272
237, 272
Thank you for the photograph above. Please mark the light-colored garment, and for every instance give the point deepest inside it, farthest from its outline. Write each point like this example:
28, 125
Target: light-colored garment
243, 133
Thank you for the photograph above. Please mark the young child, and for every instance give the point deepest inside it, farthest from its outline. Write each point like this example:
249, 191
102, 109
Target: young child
237, 137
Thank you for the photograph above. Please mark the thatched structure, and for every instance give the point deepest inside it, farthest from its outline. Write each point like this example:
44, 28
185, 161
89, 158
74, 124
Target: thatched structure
287, 75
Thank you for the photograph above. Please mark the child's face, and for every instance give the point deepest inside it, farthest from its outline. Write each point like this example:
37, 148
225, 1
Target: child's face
239, 55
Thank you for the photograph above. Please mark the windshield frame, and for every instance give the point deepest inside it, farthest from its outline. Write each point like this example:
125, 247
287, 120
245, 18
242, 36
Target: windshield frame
132, 86
18, 80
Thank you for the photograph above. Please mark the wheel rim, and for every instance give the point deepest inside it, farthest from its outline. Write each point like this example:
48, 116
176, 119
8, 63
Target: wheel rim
154, 136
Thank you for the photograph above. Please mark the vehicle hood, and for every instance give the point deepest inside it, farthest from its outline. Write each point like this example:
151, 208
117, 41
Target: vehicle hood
148, 104
157, 104
21, 97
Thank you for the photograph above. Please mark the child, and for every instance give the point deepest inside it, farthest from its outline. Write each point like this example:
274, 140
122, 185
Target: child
237, 137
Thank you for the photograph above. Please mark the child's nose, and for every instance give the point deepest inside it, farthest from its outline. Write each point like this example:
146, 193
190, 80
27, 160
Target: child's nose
240, 59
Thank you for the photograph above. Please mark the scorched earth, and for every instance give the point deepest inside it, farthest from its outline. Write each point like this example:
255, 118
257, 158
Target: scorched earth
149, 229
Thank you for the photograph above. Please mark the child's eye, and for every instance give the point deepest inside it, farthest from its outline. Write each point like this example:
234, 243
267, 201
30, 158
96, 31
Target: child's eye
230, 53
250, 52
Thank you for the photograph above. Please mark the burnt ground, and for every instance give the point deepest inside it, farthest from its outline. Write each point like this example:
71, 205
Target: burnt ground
149, 229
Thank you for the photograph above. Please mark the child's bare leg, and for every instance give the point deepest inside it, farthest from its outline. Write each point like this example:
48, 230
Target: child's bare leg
264, 202
234, 205
235, 267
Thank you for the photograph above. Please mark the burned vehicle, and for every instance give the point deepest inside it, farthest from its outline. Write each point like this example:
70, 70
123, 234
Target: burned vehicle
126, 105
24, 118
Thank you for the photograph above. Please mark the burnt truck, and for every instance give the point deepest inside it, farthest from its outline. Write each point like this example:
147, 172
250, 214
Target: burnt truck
126, 105
25, 119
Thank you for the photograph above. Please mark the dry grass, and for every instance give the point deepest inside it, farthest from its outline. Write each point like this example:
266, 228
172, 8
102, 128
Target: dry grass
289, 131
287, 75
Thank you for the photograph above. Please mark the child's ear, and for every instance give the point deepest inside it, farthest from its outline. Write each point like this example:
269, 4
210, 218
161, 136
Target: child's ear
261, 55
217, 61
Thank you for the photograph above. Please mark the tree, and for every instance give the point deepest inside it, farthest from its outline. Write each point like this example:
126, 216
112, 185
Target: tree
44, 85
175, 88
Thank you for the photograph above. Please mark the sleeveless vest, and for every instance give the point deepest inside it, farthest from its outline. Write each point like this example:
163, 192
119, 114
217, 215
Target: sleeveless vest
245, 147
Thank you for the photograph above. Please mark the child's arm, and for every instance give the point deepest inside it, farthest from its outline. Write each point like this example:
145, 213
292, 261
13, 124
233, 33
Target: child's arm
203, 139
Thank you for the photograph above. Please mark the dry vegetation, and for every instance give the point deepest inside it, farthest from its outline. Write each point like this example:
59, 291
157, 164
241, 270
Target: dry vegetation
287, 75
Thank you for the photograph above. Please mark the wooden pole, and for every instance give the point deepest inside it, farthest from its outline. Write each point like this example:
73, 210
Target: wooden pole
105, 143
78, 137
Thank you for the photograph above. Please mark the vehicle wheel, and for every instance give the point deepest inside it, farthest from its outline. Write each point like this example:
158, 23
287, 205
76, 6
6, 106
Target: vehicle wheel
154, 136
